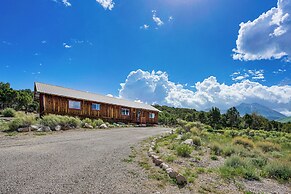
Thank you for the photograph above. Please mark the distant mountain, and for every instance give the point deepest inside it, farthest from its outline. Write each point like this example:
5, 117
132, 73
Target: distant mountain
259, 109
285, 120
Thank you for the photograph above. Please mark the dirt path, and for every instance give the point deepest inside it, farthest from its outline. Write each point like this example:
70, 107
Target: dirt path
71, 162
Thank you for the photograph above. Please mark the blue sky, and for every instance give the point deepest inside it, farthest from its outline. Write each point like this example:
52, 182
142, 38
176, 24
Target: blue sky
95, 45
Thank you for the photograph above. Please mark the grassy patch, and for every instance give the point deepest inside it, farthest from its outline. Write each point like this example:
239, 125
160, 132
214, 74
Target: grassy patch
184, 150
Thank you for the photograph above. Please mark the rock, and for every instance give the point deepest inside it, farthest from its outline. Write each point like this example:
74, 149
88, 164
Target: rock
58, 128
150, 154
164, 166
188, 142
103, 126
88, 126
157, 161
171, 172
151, 150
24, 129
178, 137
44, 129
181, 180
34, 127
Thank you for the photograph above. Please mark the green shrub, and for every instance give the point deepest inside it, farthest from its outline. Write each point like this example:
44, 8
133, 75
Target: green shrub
251, 174
184, 150
88, 121
65, 121
9, 112
278, 170
186, 136
170, 158
216, 149
258, 162
197, 141
19, 122
228, 151
195, 131
50, 120
97, 123
247, 143
268, 146
235, 162
213, 157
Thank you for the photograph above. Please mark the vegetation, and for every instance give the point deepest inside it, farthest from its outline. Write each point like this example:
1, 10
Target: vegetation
23, 121
16, 99
9, 112
184, 150
231, 119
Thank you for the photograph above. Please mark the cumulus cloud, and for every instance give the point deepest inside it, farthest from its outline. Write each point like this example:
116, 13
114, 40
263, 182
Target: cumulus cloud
106, 4
66, 3
267, 37
66, 45
156, 19
155, 87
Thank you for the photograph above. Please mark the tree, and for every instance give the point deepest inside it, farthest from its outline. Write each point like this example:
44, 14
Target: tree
7, 95
232, 117
214, 117
202, 117
248, 120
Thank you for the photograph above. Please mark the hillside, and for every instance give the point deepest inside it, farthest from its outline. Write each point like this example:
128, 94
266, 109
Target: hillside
259, 109
285, 120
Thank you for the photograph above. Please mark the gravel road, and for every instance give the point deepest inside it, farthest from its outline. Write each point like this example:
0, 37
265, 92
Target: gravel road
71, 162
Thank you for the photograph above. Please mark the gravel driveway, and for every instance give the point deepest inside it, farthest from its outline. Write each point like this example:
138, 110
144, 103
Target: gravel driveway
71, 162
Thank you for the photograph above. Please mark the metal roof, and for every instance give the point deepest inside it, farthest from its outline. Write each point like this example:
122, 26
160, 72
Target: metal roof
77, 94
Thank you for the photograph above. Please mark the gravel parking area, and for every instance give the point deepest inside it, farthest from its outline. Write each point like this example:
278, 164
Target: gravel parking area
71, 162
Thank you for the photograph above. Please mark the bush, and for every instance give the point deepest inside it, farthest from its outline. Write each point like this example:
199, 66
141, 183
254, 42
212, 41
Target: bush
213, 157
197, 141
184, 150
97, 123
170, 158
247, 143
216, 148
268, 146
65, 121
9, 112
186, 136
258, 162
19, 122
235, 162
228, 151
88, 121
278, 170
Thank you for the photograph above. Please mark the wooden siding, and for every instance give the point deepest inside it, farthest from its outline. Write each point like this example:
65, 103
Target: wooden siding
51, 104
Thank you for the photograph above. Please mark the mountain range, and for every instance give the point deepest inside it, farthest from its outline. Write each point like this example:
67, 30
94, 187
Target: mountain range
259, 109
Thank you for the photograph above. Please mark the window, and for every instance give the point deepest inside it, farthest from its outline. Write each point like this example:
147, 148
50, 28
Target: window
95, 106
125, 111
74, 104
152, 115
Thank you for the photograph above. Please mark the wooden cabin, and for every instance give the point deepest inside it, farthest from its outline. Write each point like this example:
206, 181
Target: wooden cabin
64, 101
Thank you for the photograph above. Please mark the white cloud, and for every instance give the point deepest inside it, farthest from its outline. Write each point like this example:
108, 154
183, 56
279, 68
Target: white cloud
279, 71
43, 41
145, 27
152, 87
66, 3
170, 18
156, 19
252, 74
109, 95
106, 4
267, 37
66, 45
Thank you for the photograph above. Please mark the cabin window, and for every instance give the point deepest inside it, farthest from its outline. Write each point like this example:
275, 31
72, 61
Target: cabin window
74, 104
95, 106
125, 111
152, 115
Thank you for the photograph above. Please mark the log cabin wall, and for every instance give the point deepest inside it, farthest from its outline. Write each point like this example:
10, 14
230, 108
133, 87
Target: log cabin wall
52, 104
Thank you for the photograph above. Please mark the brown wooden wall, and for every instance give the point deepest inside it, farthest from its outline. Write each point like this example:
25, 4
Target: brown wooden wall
50, 104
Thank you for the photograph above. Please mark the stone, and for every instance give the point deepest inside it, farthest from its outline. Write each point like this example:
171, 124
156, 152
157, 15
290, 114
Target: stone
88, 126
188, 142
44, 129
178, 137
181, 180
172, 173
103, 126
34, 127
58, 128
164, 166
24, 129
151, 150
151, 154
157, 161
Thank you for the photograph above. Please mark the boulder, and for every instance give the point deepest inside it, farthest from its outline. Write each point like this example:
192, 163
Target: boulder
24, 129
34, 127
188, 142
164, 166
58, 128
44, 129
172, 173
157, 161
88, 126
103, 126
181, 180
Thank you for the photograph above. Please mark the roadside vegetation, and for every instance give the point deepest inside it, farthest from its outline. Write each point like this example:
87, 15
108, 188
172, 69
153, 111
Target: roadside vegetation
196, 149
